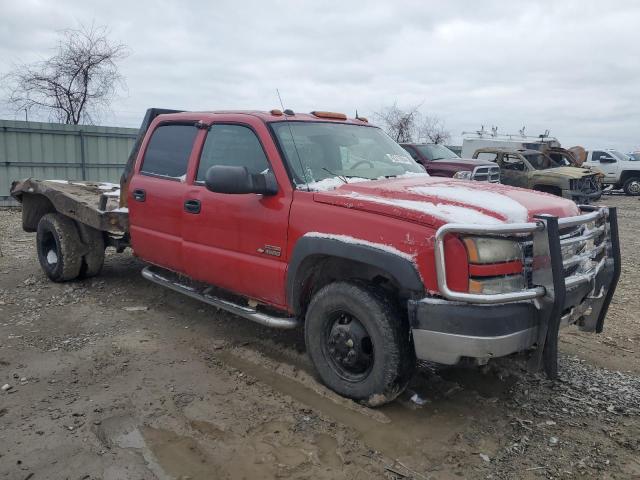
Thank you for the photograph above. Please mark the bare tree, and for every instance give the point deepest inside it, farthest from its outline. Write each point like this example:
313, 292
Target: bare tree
432, 129
76, 83
398, 123
411, 125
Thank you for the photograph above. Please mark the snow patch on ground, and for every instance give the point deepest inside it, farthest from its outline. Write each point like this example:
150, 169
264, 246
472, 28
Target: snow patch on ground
66, 182
121, 210
445, 212
108, 186
52, 257
513, 211
115, 193
359, 241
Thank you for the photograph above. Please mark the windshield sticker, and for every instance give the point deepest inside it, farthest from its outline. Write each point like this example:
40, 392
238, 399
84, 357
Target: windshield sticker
400, 159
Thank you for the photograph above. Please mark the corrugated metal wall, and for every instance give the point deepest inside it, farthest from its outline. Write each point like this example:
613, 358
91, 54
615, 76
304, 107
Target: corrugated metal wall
56, 151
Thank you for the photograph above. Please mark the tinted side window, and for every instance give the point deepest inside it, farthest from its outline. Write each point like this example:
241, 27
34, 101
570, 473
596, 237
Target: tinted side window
233, 145
168, 150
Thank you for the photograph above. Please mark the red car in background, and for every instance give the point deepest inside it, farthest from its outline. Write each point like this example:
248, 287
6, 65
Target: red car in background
442, 162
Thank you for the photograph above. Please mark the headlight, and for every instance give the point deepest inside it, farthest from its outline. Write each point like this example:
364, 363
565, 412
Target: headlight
493, 285
492, 250
463, 175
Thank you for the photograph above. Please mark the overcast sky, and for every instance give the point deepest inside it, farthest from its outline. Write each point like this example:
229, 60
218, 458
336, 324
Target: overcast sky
572, 67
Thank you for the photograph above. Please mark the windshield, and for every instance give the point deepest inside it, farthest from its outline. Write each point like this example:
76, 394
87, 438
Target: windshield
436, 152
321, 150
619, 155
540, 161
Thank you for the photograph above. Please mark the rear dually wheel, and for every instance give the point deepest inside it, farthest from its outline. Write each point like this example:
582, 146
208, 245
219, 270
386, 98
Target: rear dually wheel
59, 247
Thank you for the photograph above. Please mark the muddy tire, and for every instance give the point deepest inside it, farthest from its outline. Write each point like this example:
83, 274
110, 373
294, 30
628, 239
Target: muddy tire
93, 260
632, 186
359, 343
59, 247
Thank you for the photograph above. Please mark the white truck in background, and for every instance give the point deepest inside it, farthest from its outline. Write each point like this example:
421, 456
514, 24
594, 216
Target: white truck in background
620, 170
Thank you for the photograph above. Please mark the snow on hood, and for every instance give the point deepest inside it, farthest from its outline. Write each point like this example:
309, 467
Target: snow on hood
436, 201
513, 211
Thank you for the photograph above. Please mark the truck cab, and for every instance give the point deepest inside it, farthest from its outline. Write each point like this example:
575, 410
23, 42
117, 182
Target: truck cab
620, 170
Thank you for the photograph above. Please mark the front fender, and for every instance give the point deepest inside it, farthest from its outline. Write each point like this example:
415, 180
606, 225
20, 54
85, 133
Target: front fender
395, 263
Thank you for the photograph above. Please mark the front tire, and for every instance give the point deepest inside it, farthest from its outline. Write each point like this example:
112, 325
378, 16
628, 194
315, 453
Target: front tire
359, 344
59, 247
632, 186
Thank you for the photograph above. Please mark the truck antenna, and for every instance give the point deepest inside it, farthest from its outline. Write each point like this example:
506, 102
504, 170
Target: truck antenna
304, 174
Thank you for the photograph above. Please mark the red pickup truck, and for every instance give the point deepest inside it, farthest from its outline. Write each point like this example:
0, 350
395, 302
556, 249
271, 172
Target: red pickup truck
321, 221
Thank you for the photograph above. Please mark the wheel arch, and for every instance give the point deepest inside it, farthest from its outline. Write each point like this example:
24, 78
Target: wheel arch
627, 174
317, 261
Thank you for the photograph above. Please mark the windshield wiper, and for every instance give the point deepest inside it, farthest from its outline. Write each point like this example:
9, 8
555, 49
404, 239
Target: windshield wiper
341, 177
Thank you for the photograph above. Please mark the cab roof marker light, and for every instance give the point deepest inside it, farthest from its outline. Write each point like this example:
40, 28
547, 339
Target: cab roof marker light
334, 115
276, 112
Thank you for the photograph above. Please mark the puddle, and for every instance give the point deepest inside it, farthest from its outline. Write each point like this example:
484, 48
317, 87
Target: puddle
409, 430
328, 450
178, 456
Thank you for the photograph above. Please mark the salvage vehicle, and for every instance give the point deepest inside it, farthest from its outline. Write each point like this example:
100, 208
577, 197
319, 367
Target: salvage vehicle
620, 171
323, 222
440, 161
537, 171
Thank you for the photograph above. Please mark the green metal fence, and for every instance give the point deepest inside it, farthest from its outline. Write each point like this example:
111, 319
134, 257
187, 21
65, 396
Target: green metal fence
55, 151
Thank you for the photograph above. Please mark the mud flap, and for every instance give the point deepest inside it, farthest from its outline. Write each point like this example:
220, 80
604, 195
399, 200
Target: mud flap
548, 272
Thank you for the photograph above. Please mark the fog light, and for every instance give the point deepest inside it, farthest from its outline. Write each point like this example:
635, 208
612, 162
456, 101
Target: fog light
494, 285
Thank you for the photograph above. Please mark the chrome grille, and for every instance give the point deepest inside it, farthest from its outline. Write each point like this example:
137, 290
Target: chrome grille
583, 250
489, 174
586, 184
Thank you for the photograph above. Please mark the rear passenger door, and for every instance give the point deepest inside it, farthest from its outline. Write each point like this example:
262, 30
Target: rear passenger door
156, 194
237, 241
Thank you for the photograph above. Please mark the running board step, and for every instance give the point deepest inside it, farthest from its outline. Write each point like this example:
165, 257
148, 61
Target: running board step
203, 293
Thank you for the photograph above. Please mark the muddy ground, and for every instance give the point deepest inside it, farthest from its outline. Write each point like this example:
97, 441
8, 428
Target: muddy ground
117, 378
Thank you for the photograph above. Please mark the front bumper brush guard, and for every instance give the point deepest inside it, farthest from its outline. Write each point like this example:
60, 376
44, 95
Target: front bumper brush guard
550, 285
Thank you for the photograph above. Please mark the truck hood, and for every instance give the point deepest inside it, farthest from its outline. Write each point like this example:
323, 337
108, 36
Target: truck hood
566, 172
436, 201
466, 163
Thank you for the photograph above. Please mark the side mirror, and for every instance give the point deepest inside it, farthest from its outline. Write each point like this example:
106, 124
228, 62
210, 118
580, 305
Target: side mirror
228, 179
607, 160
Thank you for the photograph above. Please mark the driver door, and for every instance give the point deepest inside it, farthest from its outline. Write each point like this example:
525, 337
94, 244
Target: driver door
608, 164
237, 241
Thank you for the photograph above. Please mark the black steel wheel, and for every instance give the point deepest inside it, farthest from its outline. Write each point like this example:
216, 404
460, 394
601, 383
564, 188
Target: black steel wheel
358, 342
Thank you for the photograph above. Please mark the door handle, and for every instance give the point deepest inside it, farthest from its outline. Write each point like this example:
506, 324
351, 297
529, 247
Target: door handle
139, 195
192, 206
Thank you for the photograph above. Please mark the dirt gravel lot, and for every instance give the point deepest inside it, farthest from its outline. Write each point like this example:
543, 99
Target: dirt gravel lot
117, 378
